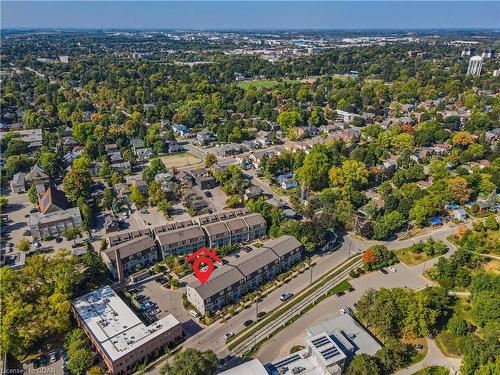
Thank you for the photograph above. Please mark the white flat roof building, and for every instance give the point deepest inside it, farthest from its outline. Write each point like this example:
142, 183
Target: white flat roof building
117, 332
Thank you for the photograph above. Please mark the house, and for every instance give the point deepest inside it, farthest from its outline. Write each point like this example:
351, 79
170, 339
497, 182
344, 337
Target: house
257, 157
175, 147
123, 167
37, 176
442, 148
459, 214
137, 143
111, 224
288, 183
345, 116
18, 183
180, 129
492, 135
111, 149
244, 162
144, 154
52, 200
180, 241
205, 137
204, 180
54, 223
33, 137
253, 192
115, 157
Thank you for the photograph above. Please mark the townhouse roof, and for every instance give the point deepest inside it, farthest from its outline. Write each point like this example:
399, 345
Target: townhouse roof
220, 279
131, 247
236, 224
214, 229
255, 260
127, 236
283, 245
183, 234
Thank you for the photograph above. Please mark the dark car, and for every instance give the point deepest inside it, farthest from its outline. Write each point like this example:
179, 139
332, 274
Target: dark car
58, 239
248, 322
355, 305
338, 294
351, 289
261, 314
383, 271
208, 194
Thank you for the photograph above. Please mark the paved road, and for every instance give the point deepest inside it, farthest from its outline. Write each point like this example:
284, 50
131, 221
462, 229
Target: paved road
434, 357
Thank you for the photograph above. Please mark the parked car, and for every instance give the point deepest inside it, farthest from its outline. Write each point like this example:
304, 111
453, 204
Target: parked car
59, 239
351, 289
208, 194
248, 322
194, 314
286, 296
343, 311
261, 314
392, 269
384, 271
52, 357
338, 294
228, 335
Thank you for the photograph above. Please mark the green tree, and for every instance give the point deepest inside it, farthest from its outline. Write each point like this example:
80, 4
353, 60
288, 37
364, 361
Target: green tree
137, 197
192, 362
16, 163
51, 163
210, 160
24, 245
352, 174
314, 172
363, 364
77, 182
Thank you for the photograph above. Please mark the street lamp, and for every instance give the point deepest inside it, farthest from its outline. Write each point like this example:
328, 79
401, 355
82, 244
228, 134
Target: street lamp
311, 273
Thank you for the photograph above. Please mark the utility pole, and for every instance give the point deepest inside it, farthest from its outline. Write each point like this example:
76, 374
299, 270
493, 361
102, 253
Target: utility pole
311, 274
257, 309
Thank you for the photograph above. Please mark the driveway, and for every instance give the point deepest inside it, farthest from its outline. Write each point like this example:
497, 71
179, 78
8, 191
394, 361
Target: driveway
434, 357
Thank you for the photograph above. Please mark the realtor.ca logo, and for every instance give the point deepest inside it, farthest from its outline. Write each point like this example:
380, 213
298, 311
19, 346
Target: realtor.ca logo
203, 256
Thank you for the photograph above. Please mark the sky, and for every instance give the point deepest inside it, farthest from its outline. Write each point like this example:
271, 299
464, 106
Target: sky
245, 15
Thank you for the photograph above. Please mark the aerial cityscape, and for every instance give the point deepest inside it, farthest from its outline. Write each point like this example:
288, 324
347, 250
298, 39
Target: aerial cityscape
179, 198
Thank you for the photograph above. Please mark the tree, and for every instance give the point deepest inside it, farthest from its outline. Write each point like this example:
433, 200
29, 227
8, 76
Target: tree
80, 357
394, 355
459, 326
51, 163
459, 190
363, 364
314, 172
164, 207
491, 223
15, 164
36, 301
439, 169
24, 245
16, 147
3, 203
463, 138
192, 362
77, 182
210, 160
137, 197
352, 175
71, 234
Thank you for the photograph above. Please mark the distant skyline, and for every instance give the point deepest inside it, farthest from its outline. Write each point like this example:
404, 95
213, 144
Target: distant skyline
247, 15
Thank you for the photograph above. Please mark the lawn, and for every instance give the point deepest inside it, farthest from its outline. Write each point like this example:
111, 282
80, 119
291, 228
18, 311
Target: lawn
411, 258
265, 83
433, 370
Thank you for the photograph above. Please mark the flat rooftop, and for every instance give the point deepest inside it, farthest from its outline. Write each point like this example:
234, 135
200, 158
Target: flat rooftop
114, 325
346, 332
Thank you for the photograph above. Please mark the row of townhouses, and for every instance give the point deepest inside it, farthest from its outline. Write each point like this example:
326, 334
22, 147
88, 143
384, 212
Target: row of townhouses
132, 251
229, 282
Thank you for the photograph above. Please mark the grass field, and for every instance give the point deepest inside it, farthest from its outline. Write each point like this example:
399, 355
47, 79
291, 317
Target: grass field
411, 258
184, 159
265, 83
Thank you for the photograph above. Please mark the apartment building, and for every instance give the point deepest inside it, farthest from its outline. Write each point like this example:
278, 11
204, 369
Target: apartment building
117, 334
53, 224
128, 257
228, 283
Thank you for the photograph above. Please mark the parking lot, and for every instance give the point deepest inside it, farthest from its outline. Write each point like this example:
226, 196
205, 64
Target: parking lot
52, 363
165, 300
18, 210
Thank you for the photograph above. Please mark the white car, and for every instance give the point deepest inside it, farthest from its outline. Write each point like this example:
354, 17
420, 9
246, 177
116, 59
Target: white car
194, 314
392, 269
343, 311
228, 335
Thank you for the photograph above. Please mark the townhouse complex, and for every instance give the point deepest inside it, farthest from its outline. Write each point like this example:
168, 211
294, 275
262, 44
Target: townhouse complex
132, 251
229, 282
